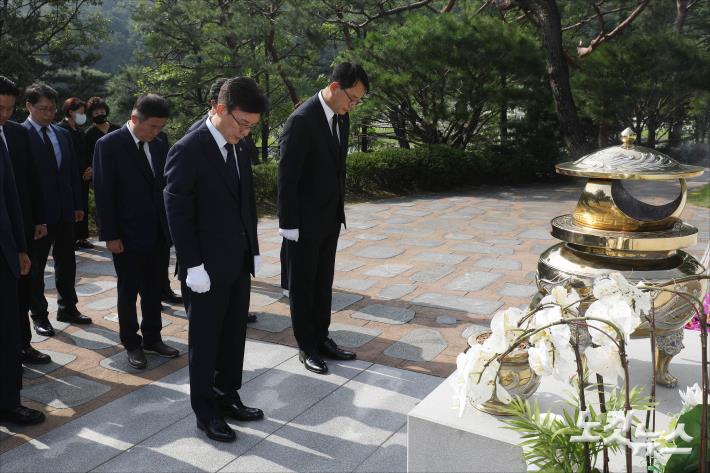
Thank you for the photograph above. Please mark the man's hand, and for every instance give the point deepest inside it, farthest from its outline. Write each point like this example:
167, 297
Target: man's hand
115, 246
197, 279
25, 264
257, 263
88, 174
78, 215
40, 231
289, 234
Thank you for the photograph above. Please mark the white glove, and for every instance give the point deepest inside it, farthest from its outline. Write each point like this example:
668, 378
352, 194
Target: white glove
257, 263
289, 234
197, 279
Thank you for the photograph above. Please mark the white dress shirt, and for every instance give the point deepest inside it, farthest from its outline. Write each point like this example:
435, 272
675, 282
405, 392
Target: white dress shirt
329, 113
221, 142
52, 137
146, 148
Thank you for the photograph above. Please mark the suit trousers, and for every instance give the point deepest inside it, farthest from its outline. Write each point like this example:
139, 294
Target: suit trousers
23, 303
216, 337
60, 240
140, 273
283, 256
81, 229
10, 361
311, 264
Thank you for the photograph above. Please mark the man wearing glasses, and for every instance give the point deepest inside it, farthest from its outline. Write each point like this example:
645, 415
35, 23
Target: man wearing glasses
55, 161
211, 209
311, 186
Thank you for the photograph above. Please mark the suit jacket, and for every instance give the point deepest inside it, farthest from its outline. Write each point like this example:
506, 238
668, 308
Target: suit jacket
12, 236
311, 178
27, 180
61, 187
129, 198
211, 221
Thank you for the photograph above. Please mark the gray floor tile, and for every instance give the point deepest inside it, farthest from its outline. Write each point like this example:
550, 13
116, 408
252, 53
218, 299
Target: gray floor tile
432, 274
388, 270
396, 291
441, 258
352, 284
379, 252
271, 322
63, 393
482, 249
102, 304
268, 270
58, 360
95, 338
343, 244
385, 314
418, 345
93, 288
352, 336
499, 263
261, 297
391, 456
119, 361
347, 265
163, 320
473, 281
471, 305
342, 300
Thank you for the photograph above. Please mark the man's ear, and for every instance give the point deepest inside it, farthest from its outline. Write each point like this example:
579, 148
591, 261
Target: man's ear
334, 86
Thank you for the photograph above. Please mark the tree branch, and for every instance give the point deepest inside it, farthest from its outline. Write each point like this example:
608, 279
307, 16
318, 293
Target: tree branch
583, 51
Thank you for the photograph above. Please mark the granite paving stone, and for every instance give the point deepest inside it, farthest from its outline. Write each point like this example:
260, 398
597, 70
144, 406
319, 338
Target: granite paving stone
352, 336
344, 244
503, 241
446, 320
432, 274
442, 258
98, 269
388, 270
418, 345
102, 304
386, 314
396, 291
421, 243
58, 360
499, 263
341, 300
63, 393
360, 225
482, 249
94, 288
413, 213
164, 321
473, 281
95, 338
268, 270
518, 290
353, 284
262, 298
372, 237
379, 252
399, 220
536, 234
271, 322
347, 265
493, 227
472, 305
458, 236
275, 253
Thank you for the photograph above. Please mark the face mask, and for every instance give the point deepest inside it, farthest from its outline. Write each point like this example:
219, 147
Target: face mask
80, 118
99, 119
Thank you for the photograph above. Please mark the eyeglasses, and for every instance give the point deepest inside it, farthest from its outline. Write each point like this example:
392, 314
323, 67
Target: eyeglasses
352, 100
242, 125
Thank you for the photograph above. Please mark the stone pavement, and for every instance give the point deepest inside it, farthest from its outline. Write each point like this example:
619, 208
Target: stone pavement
412, 275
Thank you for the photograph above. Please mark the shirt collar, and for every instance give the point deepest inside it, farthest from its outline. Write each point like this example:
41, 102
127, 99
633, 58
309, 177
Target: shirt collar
37, 126
129, 125
328, 111
216, 134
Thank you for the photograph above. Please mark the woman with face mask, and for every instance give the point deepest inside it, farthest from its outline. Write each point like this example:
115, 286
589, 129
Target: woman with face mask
74, 111
97, 112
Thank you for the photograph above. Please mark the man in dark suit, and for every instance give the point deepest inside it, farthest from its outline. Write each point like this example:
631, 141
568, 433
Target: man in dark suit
16, 140
14, 262
55, 161
311, 186
209, 199
128, 185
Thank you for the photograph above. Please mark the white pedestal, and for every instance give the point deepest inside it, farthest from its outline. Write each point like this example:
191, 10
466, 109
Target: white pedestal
441, 441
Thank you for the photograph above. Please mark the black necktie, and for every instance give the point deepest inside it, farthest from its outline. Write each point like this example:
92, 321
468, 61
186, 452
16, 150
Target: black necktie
49, 146
144, 158
334, 127
232, 164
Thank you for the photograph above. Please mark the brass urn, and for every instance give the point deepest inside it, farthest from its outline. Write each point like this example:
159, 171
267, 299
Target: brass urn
612, 231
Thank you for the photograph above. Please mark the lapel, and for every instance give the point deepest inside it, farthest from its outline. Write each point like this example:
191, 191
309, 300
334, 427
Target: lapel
37, 144
244, 163
214, 157
134, 156
156, 155
326, 130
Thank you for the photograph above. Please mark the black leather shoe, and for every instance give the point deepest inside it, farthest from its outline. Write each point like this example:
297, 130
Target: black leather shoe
34, 357
43, 326
251, 318
161, 349
237, 410
313, 362
22, 415
217, 429
170, 297
136, 358
330, 350
72, 316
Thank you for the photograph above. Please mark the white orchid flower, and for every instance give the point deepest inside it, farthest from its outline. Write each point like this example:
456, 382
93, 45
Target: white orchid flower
604, 361
540, 358
565, 364
615, 310
504, 328
692, 396
472, 383
562, 297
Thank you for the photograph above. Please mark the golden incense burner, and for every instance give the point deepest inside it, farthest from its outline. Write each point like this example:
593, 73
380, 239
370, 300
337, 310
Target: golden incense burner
612, 231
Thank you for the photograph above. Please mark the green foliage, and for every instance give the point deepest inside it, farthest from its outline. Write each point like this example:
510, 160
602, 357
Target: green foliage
700, 196
443, 79
43, 39
678, 463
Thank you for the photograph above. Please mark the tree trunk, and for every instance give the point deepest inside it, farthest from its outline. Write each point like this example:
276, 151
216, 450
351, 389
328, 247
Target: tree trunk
265, 128
364, 142
681, 7
548, 18
398, 126
503, 122
651, 125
